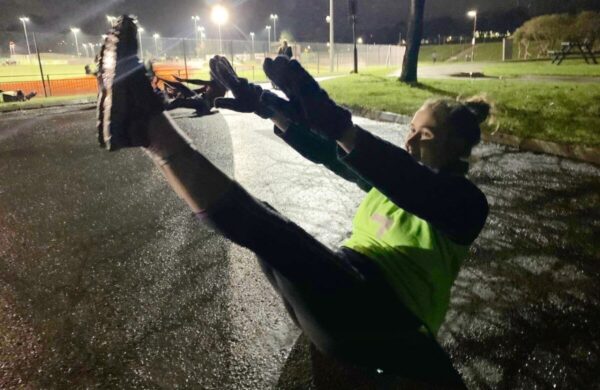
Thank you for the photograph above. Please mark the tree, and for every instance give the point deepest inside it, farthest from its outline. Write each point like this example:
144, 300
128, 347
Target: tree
413, 42
544, 33
587, 25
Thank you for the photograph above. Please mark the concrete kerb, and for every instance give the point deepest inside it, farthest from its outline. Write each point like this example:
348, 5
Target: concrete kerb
575, 152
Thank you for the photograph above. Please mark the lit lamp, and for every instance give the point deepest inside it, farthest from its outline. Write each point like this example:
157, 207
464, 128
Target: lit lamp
274, 17
196, 18
268, 28
473, 14
156, 36
219, 15
25, 20
75, 30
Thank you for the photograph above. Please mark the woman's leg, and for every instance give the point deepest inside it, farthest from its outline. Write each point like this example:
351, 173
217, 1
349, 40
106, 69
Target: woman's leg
346, 312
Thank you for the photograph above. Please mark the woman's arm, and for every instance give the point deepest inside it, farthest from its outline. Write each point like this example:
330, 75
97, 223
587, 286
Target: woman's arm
449, 202
315, 148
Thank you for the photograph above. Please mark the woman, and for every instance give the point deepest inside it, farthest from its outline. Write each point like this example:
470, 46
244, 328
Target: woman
378, 301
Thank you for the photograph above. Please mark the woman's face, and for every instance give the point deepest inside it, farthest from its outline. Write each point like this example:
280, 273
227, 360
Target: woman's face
428, 142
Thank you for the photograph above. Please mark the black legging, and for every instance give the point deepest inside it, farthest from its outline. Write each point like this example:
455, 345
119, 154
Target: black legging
339, 299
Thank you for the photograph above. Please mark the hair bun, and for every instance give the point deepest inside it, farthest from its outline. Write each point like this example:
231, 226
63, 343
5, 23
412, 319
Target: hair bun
480, 107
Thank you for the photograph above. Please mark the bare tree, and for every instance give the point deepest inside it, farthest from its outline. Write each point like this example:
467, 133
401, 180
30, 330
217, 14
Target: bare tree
413, 42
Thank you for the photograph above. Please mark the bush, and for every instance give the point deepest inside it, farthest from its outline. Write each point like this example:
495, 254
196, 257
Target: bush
537, 36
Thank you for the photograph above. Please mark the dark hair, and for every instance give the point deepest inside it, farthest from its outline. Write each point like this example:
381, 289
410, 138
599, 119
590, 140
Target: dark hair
462, 117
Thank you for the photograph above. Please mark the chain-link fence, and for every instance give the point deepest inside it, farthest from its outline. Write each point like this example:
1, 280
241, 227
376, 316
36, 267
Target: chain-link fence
66, 61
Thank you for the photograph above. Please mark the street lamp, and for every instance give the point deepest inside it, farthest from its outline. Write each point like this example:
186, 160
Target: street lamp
196, 18
473, 14
85, 47
140, 31
252, 37
274, 17
219, 15
25, 19
201, 31
156, 36
269, 37
331, 36
75, 30
353, 7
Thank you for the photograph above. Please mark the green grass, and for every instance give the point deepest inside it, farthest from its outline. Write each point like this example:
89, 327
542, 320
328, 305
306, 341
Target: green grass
542, 68
444, 52
484, 51
565, 112
32, 72
488, 51
44, 102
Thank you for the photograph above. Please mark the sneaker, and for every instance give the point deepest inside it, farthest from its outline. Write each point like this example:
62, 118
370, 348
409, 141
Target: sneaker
126, 99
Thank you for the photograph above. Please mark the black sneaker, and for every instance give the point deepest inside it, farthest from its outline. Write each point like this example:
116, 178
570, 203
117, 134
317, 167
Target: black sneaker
126, 100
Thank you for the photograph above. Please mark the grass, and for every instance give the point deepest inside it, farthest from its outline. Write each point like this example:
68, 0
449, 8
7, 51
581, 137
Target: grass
32, 72
542, 68
484, 51
38, 102
564, 113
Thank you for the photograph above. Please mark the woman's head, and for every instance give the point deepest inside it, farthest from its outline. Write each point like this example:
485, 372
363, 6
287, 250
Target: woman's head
443, 131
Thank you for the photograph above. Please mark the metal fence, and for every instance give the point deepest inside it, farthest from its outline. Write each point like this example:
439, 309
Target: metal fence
62, 61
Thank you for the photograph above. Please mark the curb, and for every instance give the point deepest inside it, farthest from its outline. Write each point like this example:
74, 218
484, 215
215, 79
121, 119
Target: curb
575, 152
48, 105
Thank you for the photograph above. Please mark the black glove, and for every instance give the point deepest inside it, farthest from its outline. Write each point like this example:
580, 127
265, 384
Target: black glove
317, 109
246, 95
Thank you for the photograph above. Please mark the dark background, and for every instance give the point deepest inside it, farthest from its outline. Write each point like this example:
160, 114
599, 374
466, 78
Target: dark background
381, 21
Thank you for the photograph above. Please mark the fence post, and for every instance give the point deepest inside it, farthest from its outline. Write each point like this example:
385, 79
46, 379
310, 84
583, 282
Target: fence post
318, 64
40, 63
185, 59
49, 85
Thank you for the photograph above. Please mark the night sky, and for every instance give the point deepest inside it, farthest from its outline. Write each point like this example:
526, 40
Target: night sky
305, 19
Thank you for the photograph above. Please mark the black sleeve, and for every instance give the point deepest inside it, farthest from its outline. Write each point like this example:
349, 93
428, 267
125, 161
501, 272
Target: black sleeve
449, 202
320, 151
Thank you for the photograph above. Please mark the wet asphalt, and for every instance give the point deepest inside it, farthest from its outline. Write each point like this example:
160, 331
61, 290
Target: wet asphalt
107, 281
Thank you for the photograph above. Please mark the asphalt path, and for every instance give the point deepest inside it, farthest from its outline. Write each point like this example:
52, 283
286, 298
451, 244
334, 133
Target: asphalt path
106, 279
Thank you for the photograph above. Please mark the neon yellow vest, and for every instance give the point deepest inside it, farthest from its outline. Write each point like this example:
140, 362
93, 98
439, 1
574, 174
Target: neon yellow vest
418, 261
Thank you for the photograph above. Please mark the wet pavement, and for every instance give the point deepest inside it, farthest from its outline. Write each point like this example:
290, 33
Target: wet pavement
107, 281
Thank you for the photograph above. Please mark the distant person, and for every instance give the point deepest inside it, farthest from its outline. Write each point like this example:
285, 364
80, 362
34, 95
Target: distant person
379, 300
434, 57
285, 50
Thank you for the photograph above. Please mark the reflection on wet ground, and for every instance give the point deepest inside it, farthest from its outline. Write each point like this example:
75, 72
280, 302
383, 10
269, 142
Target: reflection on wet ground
107, 281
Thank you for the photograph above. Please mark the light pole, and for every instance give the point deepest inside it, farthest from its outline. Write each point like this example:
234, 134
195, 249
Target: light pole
75, 30
219, 16
156, 36
25, 19
331, 36
252, 37
201, 33
196, 18
87, 54
473, 14
353, 18
274, 17
269, 38
140, 31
